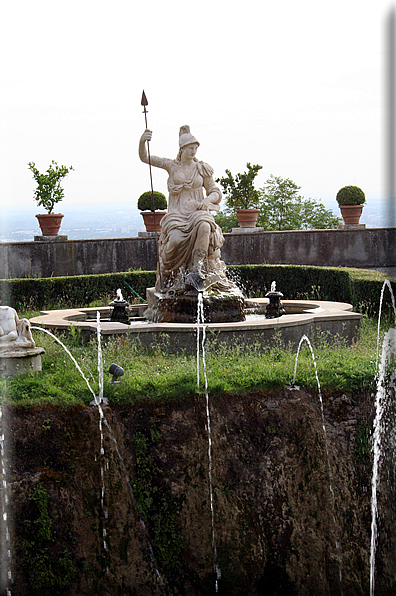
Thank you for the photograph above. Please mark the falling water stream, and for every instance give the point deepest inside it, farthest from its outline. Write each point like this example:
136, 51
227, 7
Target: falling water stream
6, 576
384, 380
305, 338
384, 285
201, 320
380, 426
104, 464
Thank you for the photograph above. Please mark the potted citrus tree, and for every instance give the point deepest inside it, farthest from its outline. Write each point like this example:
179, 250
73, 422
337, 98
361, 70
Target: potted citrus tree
350, 200
241, 197
148, 203
47, 194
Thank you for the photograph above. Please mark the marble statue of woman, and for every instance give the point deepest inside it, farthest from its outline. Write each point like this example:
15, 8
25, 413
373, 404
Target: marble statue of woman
190, 240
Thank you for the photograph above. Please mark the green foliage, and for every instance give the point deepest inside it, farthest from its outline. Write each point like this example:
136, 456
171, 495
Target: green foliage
47, 567
360, 287
43, 523
226, 222
282, 208
366, 288
157, 504
350, 195
296, 282
49, 191
363, 455
239, 191
363, 442
159, 376
145, 201
69, 292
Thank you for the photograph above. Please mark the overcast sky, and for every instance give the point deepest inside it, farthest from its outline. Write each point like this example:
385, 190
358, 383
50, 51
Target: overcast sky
297, 87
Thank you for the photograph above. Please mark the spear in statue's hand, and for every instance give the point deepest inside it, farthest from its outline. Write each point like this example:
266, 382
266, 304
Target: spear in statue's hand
144, 103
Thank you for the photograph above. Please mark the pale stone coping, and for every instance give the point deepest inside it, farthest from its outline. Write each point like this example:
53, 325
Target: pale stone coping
246, 230
21, 352
308, 311
57, 238
148, 234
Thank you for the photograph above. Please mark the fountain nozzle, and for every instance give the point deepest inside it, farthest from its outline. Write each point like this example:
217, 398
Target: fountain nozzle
274, 307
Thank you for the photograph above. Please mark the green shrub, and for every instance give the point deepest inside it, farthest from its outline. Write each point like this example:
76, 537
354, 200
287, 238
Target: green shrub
76, 291
145, 201
359, 287
296, 282
49, 191
239, 191
46, 554
350, 195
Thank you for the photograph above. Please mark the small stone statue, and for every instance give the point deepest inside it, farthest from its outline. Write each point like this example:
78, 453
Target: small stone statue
190, 240
14, 332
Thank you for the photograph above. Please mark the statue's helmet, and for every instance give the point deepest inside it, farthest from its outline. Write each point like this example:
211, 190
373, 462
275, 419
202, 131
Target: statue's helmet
185, 137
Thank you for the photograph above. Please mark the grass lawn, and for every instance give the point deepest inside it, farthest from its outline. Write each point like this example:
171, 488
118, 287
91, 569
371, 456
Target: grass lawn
157, 375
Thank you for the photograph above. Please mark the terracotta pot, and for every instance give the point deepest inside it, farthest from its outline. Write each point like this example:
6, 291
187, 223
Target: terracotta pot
152, 220
351, 213
247, 218
50, 223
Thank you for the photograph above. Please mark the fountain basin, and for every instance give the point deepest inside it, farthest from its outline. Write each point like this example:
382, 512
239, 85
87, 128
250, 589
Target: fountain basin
335, 319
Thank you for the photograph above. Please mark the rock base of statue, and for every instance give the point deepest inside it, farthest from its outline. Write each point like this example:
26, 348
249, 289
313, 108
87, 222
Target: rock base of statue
183, 308
15, 361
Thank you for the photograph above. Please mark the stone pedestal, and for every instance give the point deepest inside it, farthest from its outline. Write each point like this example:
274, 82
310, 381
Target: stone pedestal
15, 361
184, 308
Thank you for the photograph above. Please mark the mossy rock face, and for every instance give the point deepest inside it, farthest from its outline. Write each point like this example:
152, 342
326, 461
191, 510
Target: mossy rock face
145, 201
350, 195
273, 516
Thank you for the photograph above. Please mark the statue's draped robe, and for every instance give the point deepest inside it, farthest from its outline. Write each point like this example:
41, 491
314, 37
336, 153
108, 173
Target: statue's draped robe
180, 226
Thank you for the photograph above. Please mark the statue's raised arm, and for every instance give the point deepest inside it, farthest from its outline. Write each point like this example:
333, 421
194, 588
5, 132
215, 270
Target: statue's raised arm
158, 162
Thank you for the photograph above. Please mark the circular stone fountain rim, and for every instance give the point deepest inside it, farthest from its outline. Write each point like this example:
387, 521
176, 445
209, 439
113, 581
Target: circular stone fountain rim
306, 310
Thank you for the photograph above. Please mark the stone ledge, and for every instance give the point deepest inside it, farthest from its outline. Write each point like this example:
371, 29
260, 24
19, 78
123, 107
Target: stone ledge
148, 234
311, 316
246, 230
58, 238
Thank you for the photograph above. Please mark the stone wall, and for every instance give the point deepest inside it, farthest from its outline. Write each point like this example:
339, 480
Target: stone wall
369, 248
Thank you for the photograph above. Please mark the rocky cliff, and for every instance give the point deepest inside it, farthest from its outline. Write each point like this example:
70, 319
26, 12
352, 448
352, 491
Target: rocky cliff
136, 519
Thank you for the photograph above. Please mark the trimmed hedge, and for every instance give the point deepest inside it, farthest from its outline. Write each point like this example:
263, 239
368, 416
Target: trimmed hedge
294, 281
69, 292
360, 287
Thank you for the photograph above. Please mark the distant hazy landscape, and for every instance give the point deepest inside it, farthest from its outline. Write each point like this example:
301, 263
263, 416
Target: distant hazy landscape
111, 221
123, 220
